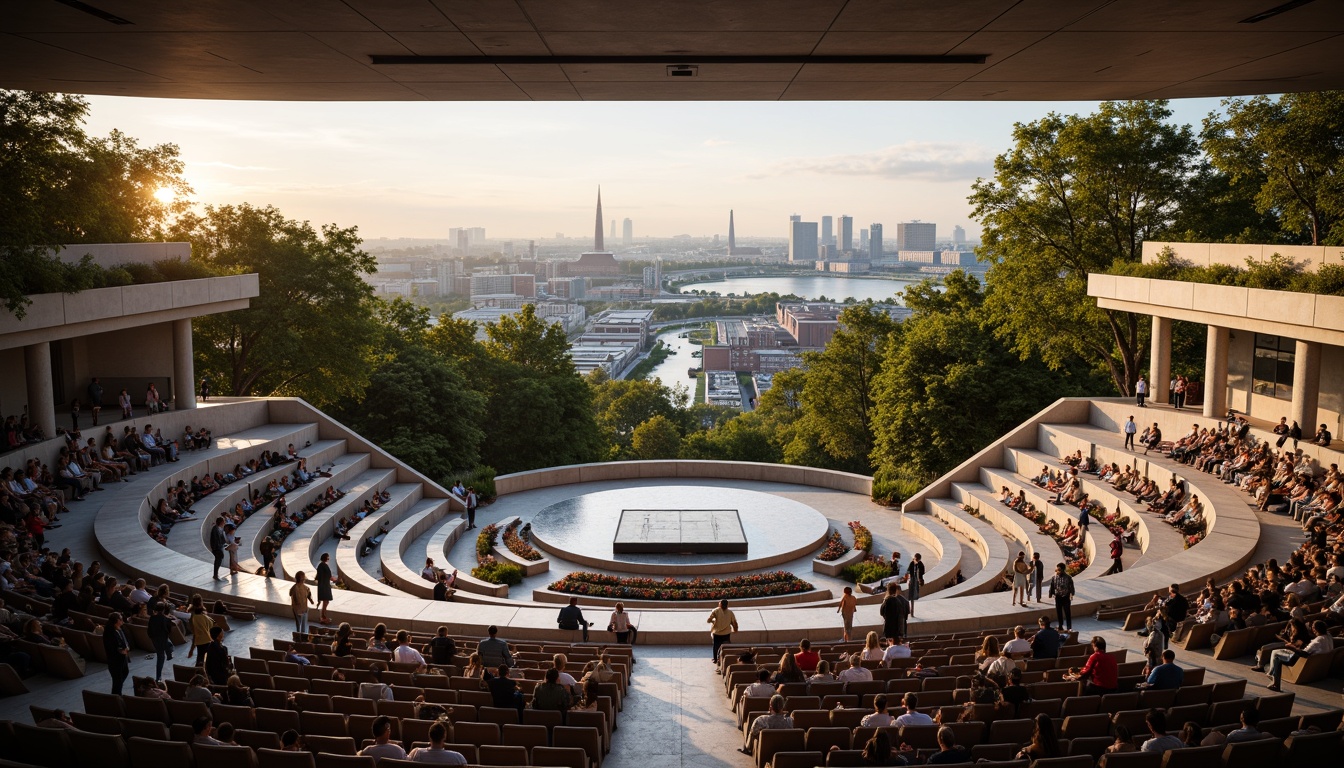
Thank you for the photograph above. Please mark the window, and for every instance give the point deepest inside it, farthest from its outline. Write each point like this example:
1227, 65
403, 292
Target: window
1272, 371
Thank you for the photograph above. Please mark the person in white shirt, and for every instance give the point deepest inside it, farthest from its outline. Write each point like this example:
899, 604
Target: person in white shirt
405, 652
1019, 643
139, 595
382, 746
899, 649
430, 573
377, 690
565, 679
912, 717
856, 673
436, 752
878, 718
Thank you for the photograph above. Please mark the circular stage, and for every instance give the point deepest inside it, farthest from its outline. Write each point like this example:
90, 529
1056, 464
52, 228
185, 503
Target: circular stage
693, 528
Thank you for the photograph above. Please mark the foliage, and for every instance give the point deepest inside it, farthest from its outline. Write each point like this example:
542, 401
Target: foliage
748, 437
863, 538
519, 545
622, 405
313, 324
495, 572
656, 438
890, 491
1289, 154
1076, 195
530, 341
866, 572
1275, 273
485, 540
483, 480
753, 585
419, 408
59, 185
835, 548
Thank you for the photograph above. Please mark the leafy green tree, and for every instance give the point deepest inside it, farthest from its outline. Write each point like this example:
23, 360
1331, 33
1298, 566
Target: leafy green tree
1076, 195
1289, 152
535, 421
748, 437
401, 323
58, 185
419, 408
656, 438
311, 330
837, 397
530, 341
622, 405
949, 387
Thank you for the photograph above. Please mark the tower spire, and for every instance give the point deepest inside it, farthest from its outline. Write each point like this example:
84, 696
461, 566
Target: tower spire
732, 239
597, 234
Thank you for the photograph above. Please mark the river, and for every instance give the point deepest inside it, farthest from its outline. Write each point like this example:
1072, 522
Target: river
807, 286
672, 371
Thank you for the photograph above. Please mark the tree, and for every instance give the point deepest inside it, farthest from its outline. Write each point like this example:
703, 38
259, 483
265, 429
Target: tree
1290, 153
530, 341
58, 186
748, 437
419, 408
310, 331
535, 421
837, 395
950, 387
656, 438
1076, 195
620, 406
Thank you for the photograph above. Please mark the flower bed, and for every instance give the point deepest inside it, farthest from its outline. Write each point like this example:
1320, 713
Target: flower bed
863, 538
867, 572
754, 585
495, 572
518, 545
485, 540
835, 548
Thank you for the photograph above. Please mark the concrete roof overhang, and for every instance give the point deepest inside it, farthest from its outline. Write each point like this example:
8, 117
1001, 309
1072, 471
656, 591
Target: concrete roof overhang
445, 50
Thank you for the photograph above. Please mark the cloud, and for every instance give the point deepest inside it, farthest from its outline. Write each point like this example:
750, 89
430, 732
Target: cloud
716, 142
919, 160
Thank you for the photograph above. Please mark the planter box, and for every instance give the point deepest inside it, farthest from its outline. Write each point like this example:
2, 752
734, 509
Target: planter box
530, 567
834, 567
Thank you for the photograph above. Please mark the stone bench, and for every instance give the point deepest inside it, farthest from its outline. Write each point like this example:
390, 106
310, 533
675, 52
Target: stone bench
399, 507
300, 547
1061, 514
991, 547
392, 553
1010, 523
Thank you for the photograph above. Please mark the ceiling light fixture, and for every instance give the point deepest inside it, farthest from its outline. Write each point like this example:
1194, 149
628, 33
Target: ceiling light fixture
110, 18
1275, 11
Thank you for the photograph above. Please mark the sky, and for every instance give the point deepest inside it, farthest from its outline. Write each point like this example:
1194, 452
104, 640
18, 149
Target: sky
531, 169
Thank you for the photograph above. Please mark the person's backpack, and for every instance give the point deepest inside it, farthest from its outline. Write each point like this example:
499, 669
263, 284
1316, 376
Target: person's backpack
1116, 548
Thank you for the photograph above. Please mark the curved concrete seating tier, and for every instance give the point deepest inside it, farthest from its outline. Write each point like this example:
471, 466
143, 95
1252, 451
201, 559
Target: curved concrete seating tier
1021, 530
352, 566
392, 553
986, 541
440, 546
938, 540
301, 547
343, 470
1061, 514
122, 540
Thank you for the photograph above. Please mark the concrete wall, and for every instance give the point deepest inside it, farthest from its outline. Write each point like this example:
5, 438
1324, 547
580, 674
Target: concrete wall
13, 390
115, 254
1234, 254
732, 470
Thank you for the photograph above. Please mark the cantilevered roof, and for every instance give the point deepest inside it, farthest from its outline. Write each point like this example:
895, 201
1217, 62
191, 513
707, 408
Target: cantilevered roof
681, 49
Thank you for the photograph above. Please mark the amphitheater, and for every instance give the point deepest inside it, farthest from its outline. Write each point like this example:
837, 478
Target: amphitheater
666, 705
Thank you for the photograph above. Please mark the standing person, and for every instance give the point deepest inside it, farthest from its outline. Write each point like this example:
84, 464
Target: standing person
95, 393
299, 599
160, 631
267, 548
1295, 434
205, 387
1037, 574
1117, 555
1061, 589
848, 605
231, 546
571, 618
216, 657
1141, 391
1020, 571
915, 573
1171, 391
471, 508
619, 623
118, 652
324, 588
722, 626
74, 415
1131, 429
895, 612
1182, 384
218, 540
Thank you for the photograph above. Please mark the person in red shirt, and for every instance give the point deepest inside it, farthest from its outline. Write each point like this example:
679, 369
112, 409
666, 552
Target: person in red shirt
1101, 673
806, 657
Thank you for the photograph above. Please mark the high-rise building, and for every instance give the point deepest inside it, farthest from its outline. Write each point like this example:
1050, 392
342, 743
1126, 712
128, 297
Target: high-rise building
916, 236
627, 233
802, 241
794, 217
732, 235
874, 241
597, 232
827, 236
958, 235
844, 233
863, 240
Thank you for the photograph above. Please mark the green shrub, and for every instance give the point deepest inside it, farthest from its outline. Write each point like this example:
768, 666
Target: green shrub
483, 480
866, 572
498, 573
891, 491
485, 540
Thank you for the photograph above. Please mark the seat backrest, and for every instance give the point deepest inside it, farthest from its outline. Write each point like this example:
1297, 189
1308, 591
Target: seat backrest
257, 739
1314, 748
1194, 757
322, 723
479, 734
161, 754
325, 760
1252, 754
1128, 760
560, 757
274, 758
105, 750
225, 756
530, 736
336, 745
844, 758
1068, 761
803, 759
495, 754
821, 739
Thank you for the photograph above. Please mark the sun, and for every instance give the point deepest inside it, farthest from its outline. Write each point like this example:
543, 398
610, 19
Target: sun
165, 194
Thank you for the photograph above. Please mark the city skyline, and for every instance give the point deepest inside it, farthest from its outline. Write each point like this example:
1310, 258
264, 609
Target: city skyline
526, 171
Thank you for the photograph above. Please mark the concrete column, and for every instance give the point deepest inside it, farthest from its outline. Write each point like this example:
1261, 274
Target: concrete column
184, 367
1159, 367
41, 402
1215, 373
1306, 385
